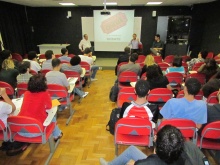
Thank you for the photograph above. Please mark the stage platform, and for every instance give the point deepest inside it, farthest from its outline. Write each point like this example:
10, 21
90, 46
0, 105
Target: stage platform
106, 63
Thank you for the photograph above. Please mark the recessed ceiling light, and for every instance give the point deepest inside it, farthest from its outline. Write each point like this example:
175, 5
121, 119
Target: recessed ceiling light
154, 3
67, 4
110, 3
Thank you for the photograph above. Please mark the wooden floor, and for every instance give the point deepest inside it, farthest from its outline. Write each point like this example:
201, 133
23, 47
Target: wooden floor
85, 139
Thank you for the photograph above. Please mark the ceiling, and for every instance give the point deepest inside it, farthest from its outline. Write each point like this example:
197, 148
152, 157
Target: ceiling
55, 3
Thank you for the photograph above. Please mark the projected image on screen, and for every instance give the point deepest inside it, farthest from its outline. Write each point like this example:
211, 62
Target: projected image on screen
113, 32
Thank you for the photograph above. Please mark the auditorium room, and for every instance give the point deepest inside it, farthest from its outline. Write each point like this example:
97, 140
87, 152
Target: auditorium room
109, 82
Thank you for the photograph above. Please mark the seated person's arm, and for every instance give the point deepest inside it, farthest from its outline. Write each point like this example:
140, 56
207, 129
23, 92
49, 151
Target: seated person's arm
169, 87
7, 99
201, 67
67, 88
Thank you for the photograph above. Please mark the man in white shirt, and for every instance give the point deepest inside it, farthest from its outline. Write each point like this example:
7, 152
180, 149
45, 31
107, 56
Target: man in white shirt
32, 57
84, 43
134, 44
87, 57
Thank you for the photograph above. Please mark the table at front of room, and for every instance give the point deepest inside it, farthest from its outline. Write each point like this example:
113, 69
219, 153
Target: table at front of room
56, 48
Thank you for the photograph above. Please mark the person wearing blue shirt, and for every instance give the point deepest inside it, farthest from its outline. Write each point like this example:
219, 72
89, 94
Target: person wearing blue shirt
177, 66
187, 107
64, 56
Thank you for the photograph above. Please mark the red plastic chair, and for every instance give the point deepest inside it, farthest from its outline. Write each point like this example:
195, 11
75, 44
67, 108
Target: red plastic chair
42, 56
159, 95
212, 99
57, 55
186, 58
141, 58
71, 55
18, 123
33, 72
126, 77
199, 96
187, 127
185, 65
60, 91
9, 90
21, 89
86, 65
175, 79
127, 90
163, 66
17, 57
3, 132
197, 66
125, 97
133, 131
210, 136
44, 71
169, 59
210, 55
198, 76
79, 81
158, 59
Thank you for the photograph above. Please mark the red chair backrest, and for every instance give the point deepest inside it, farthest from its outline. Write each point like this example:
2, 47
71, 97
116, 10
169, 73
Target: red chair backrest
185, 58
21, 88
42, 56
44, 71
85, 65
212, 99
127, 90
198, 76
199, 96
157, 59
57, 55
187, 127
197, 66
71, 55
8, 88
175, 77
160, 95
56, 90
163, 65
210, 55
127, 76
19, 123
133, 126
141, 58
17, 57
169, 59
212, 130
72, 74
32, 72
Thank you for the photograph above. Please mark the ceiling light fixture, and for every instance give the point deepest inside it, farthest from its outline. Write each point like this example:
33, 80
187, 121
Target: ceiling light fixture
154, 3
110, 3
67, 4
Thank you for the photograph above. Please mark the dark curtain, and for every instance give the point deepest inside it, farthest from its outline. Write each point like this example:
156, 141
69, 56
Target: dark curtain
14, 28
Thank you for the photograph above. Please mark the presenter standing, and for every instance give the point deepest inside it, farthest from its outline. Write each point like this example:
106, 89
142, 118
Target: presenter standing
157, 46
85, 43
134, 44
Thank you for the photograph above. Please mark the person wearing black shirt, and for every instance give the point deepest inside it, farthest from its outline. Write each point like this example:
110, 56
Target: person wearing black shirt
157, 46
123, 58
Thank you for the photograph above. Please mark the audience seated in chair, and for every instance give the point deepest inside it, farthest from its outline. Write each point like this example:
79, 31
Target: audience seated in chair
210, 87
87, 57
8, 74
35, 103
201, 58
24, 69
170, 148
64, 56
155, 79
56, 77
7, 106
32, 57
6, 54
187, 107
177, 66
49, 55
123, 58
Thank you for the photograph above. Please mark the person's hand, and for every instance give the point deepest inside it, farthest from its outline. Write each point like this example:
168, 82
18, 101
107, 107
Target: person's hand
2, 91
131, 162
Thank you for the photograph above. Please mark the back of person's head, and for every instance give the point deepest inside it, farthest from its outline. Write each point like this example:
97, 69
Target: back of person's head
204, 54
193, 86
24, 66
37, 83
177, 61
149, 60
157, 35
87, 51
210, 87
152, 72
169, 144
8, 64
133, 57
127, 50
56, 62
142, 88
75, 60
5, 54
49, 54
32, 55
63, 51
